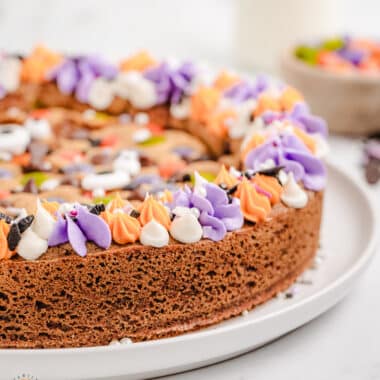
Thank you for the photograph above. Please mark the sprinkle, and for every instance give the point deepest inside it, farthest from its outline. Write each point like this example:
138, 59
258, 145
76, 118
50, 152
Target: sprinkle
154, 140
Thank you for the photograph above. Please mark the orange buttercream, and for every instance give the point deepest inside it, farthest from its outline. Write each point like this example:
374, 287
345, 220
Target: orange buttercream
289, 97
226, 80
124, 228
5, 252
153, 209
224, 177
254, 206
256, 140
203, 103
51, 207
269, 184
117, 203
138, 62
306, 139
266, 103
217, 122
38, 64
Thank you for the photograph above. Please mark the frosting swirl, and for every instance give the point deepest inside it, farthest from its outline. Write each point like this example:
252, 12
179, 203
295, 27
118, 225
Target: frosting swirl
153, 209
254, 206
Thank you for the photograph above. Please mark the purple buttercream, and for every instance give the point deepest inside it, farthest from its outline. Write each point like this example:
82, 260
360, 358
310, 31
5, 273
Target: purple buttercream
289, 151
217, 214
78, 227
243, 91
171, 83
301, 117
76, 74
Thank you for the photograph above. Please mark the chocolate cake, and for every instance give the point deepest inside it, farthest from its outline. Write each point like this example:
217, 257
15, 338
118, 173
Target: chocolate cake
148, 199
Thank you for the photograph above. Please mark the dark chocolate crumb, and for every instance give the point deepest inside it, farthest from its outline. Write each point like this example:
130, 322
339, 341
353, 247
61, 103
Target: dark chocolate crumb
5, 217
135, 214
14, 237
25, 223
97, 209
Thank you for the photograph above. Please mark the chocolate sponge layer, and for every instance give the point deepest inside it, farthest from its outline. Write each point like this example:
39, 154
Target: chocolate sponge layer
143, 293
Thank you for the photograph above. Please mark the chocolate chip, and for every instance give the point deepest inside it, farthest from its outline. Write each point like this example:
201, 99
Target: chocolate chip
186, 177
5, 217
97, 209
145, 160
135, 214
232, 190
94, 142
273, 172
31, 187
25, 223
14, 237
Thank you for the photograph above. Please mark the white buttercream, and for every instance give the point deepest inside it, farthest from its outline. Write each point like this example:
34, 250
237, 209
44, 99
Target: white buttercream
10, 68
128, 161
181, 110
43, 223
293, 195
65, 208
101, 93
185, 228
38, 129
13, 139
199, 184
138, 90
154, 234
238, 127
267, 164
282, 177
108, 181
31, 246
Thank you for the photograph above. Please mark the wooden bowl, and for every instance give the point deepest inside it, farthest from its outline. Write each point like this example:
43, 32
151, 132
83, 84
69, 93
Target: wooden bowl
349, 102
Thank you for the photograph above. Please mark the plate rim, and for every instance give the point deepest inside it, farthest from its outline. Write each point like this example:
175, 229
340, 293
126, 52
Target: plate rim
353, 271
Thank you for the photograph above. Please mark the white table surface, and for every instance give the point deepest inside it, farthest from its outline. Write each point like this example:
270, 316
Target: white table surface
344, 343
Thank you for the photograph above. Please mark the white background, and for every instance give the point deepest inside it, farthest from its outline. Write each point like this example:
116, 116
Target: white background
345, 342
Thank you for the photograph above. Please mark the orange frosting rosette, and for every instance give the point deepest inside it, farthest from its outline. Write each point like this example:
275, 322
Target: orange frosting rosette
203, 103
51, 207
5, 252
270, 185
217, 122
256, 140
254, 206
138, 62
153, 209
224, 177
226, 80
117, 203
124, 228
38, 64
289, 98
266, 102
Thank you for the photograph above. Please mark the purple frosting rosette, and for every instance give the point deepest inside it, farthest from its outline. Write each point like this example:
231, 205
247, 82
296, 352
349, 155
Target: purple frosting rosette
76, 74
243, 91
217, 213
289, 151
77, 227
171, 83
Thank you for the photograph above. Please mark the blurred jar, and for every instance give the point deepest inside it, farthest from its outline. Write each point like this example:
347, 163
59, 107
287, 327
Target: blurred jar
265, 27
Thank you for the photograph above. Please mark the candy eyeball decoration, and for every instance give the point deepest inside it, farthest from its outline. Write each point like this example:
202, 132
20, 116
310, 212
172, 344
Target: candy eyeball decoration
154, 234
101, 94
14, 139
128, 161
185, 227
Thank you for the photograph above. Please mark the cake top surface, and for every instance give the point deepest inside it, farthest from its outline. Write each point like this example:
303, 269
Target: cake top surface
145, 152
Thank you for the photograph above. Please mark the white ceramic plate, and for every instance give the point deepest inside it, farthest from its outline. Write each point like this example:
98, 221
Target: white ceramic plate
348, 241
